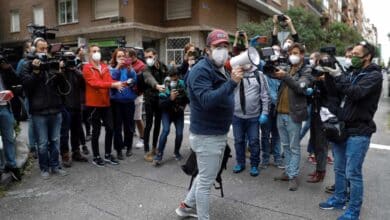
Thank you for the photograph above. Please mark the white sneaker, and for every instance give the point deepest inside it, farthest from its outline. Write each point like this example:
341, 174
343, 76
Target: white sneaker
139, 144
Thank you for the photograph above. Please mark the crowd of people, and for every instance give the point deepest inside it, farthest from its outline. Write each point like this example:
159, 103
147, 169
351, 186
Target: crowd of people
71, 103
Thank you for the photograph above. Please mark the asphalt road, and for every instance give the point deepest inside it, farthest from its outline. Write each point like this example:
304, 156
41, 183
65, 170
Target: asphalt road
136, 190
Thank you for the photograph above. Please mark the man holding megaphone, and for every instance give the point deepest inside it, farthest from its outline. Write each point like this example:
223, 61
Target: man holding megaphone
210, 89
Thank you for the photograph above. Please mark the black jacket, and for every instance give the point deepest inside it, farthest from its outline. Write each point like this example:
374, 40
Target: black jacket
77, 89
361, 91
153, 76
42, 90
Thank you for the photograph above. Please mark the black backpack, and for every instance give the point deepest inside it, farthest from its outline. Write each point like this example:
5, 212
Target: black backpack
191, 168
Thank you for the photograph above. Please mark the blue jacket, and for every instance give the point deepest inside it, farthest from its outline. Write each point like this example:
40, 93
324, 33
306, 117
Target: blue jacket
127, 94
211, 95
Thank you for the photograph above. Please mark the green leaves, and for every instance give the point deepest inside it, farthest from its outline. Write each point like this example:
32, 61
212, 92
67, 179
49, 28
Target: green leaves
308, 26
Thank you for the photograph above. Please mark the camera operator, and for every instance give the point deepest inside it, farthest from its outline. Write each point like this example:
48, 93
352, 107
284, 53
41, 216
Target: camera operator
292, 110
71, 112
172, 102
317, 97
8, 81
284, 21
40, 84
361, 91
239, 47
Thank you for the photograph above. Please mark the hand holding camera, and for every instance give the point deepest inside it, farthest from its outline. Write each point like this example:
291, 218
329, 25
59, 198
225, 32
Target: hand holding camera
118, 85
174, 94
279, 73
160, 88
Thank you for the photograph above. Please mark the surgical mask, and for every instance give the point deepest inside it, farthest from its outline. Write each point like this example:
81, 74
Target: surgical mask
191, 62
294, 59
312, 62
150, 62
286, 46
96, 56
274, 57
219, 56
357, 62
173, 84
348, 63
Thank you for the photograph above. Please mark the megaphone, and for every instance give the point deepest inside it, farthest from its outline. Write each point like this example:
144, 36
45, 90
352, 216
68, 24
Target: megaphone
250, 56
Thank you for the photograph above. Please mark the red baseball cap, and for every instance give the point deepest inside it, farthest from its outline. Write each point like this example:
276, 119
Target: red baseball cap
217, 36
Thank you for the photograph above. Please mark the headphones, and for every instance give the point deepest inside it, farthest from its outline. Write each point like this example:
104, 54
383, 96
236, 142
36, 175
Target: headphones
35, 42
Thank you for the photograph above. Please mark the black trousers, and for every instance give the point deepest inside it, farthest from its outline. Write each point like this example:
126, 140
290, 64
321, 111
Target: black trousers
152, 111
319, 141
98, 116
71, 121
123, 114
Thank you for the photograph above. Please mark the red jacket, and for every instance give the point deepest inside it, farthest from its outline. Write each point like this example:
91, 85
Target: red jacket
97, 85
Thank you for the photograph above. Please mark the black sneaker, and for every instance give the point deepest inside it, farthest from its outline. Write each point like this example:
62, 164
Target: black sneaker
15, 173
98, 161
330, 189
129, 153
120, 155
108, 158
85, 150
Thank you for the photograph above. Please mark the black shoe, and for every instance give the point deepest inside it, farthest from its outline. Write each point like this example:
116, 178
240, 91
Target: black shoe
120, 155
85, 150
15, 173
108, 158
98, 161
76, 156
129, 153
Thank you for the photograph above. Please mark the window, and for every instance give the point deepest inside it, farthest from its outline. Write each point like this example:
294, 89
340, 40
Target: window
175, 48
67, 11
325, 3
178, 9
106, 9
15, 21
242, 16
39, 18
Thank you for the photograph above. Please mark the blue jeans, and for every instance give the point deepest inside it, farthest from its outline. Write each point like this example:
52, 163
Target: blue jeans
289, 138
178, 121
32, 137
209, 151
7, 135
270, 141
305, 129
246, 129
48, 129
348, 161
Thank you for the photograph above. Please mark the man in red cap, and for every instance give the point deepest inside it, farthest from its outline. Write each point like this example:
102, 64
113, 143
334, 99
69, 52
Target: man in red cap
211, 93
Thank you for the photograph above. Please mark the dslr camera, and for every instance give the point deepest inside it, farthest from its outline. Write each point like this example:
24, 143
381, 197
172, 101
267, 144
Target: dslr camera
282, 20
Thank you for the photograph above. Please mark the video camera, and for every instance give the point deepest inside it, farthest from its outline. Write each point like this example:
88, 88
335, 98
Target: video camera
4, 53
41, 31
328, 60
273, 62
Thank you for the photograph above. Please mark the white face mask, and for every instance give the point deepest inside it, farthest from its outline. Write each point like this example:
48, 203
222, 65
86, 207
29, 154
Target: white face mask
312, 62
219, 55
274, 57
348, 62
96, 56
150, 62
294, 59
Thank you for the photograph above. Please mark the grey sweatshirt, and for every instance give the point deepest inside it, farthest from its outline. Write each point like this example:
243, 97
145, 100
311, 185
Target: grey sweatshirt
256, 96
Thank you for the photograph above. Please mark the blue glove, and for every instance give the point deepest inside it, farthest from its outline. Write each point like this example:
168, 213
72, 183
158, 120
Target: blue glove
263, 119
309, 91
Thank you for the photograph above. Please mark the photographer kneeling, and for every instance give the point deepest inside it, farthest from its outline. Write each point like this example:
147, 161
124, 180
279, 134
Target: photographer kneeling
40, 83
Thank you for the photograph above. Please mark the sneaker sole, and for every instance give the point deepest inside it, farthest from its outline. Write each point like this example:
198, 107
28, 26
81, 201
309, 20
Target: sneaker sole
183, 214
98, 165
334, 208
110, 162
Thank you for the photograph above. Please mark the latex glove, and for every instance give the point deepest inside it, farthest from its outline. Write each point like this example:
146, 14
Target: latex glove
309, 91
263, 119
333, 72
